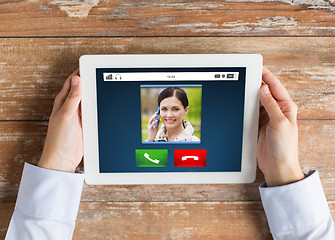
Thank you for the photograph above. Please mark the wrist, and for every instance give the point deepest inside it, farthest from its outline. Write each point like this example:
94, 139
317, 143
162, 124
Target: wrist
150, 139
280, 177
56, 165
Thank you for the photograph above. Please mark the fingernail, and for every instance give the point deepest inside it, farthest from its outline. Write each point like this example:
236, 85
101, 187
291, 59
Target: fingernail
74, 81
266, 89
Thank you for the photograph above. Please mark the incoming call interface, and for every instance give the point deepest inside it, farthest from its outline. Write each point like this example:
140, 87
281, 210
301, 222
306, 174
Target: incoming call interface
170, 119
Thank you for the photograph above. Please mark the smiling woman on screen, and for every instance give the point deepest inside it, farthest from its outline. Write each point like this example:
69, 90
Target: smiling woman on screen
172, 107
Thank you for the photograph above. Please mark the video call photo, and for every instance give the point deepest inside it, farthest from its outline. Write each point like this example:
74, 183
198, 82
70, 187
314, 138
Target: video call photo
171, 113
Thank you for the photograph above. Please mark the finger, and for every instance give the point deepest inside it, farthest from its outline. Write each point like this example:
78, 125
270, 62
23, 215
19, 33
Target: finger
270, 104
278, 91
263, 120
157, 122
76, 72
153, 124
62, 95
153, 117
280, 94
79, 113
289, 109
67, 85
73, 99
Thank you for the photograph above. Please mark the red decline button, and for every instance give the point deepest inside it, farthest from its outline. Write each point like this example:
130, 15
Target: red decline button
190, 157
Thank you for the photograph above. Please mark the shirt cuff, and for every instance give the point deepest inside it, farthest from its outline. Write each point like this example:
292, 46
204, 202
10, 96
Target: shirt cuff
49, 194
295, 206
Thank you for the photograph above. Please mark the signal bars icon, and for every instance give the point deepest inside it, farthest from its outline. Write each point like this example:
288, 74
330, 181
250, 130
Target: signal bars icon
110, 77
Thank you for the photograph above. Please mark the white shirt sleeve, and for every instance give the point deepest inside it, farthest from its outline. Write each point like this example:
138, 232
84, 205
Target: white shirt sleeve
47, 205
298, 210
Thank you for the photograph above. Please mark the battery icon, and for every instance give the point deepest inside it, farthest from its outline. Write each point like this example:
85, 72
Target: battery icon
230, 75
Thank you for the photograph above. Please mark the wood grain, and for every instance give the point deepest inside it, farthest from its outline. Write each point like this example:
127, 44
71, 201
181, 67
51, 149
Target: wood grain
32, 71
174, 220
162, 220
23, 141
6, 211
167, 18
42, 40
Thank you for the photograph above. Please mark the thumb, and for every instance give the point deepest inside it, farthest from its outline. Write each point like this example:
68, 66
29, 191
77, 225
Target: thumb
270, 104
74, 97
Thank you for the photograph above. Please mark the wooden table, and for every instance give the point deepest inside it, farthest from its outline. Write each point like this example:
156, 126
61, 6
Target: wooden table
41, 41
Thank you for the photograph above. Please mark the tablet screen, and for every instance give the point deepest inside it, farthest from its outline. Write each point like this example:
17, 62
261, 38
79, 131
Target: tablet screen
170, 119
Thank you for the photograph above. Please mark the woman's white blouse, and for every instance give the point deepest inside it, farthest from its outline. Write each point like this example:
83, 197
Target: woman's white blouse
48, 203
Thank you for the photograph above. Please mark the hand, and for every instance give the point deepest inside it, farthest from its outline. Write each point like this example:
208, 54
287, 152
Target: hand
63, 148
277, 148
151, 127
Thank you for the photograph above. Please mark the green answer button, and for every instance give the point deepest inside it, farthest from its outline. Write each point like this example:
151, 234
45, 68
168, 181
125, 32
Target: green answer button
151, 157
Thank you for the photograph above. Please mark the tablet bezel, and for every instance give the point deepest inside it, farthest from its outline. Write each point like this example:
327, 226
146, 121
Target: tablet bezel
88, 65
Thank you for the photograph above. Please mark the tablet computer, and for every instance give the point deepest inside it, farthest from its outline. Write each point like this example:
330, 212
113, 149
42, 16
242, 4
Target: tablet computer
170, 119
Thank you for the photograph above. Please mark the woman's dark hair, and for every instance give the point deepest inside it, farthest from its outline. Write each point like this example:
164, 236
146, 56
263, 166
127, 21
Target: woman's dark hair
173, 92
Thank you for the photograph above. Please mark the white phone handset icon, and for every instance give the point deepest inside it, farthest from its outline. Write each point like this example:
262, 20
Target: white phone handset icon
193, 157
151, 160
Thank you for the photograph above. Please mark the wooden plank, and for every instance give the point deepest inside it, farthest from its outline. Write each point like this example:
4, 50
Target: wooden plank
19, 142
32, 71
167, 18
6, 211
161, 220
23, 141
174, 220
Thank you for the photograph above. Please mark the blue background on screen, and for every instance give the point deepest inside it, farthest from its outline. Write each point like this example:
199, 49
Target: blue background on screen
119, 122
